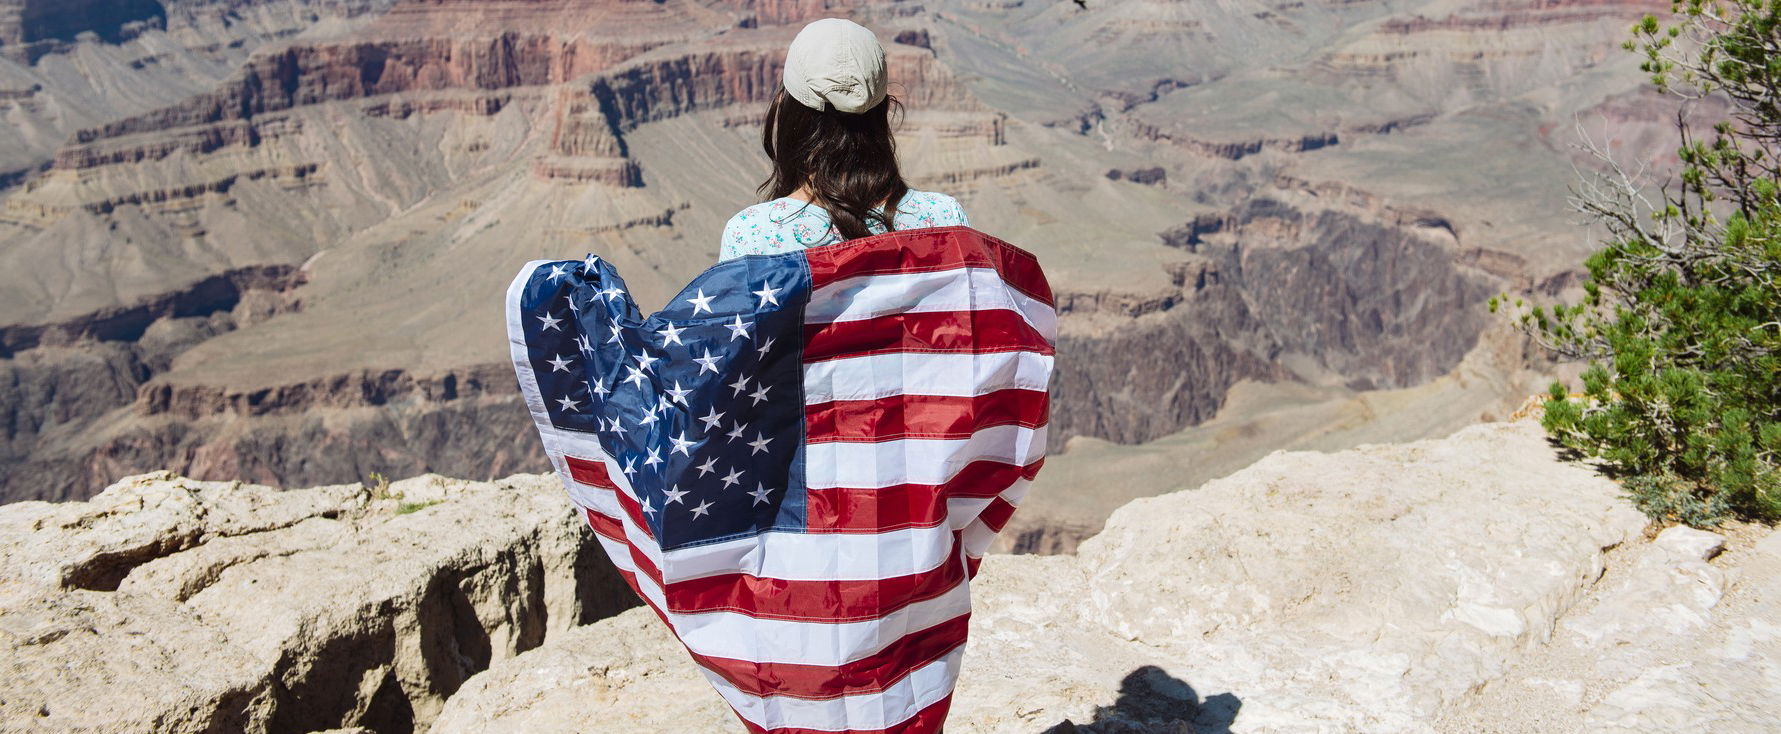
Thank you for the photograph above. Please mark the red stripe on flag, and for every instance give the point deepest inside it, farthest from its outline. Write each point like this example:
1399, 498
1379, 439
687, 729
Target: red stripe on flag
593, 474
941, 332
881, 509
870, 674
996, 514
770, 598
589, 472
927, 721
923, 416
811, 601
927, 250
615, 531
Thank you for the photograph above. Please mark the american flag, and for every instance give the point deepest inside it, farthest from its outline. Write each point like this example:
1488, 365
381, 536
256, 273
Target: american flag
800, 461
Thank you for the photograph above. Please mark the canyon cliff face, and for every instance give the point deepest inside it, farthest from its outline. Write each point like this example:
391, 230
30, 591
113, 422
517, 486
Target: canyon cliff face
190, 606
25, 24
282, 263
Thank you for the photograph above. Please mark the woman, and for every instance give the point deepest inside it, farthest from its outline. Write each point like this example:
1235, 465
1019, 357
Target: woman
828, 134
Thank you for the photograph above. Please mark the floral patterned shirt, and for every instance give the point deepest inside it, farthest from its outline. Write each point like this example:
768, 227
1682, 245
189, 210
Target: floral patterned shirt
788, 225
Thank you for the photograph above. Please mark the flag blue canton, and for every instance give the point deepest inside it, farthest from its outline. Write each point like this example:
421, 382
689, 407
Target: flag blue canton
710, 459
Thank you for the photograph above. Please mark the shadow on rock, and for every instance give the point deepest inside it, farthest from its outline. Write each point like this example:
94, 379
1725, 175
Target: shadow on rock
1151, 700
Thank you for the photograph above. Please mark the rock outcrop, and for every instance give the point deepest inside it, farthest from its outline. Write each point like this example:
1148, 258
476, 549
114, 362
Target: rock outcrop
1471, 583
1390, 588
171, 605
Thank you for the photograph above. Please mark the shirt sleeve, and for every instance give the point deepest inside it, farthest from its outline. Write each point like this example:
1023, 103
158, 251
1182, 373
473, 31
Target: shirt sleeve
730, 245
959, 210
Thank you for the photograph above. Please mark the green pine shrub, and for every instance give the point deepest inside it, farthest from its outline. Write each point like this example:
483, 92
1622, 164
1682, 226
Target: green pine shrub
1680, 322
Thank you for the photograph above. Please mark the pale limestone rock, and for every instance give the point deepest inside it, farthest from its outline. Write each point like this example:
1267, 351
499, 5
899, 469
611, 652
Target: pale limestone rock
627, 673
1669, 590
1359, 590
172, 605
1706, 661
1473, 583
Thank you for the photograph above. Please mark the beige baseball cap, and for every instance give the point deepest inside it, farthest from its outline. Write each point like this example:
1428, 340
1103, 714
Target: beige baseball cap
835, 62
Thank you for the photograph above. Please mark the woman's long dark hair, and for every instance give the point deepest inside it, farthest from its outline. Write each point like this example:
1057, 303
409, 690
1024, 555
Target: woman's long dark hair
848, 160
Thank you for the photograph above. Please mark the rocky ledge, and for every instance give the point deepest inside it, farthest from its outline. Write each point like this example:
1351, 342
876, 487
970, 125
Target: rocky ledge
171, 605
1472, 583
1466, 584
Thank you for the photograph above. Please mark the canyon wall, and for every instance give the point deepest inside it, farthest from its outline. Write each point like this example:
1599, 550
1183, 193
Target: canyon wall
386, 157
28, 25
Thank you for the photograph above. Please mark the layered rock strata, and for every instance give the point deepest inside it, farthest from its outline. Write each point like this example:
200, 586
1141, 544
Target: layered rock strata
171, 605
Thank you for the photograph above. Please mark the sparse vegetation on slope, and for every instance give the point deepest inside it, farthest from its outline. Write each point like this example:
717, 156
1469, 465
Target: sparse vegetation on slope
1681, 318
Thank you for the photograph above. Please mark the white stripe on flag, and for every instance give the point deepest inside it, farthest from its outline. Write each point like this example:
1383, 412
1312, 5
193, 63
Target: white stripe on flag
917, 460
797, 556
922, 688
960, 289
738, 636
977, 536
913, 373
961, 512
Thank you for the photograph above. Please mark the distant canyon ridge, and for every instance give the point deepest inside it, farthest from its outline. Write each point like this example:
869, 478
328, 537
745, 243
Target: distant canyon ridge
266, 239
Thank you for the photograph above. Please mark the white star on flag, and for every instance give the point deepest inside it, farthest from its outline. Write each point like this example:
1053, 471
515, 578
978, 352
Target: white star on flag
648, 509
557, 271
760, 494
655, 457
738, 386
733, 478
704, 508
738, 330
674, 494
678, 395
645, 361
707, 363
560, 364
759, 443
766, 345
767, 293
711, 419
635, 377
681, 445
760, 394
567, 403
671, 335
701, 303
708, 467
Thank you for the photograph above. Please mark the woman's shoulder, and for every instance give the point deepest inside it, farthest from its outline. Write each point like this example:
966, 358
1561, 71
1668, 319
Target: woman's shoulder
926, 199
779, 208
774, 226
932, 208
